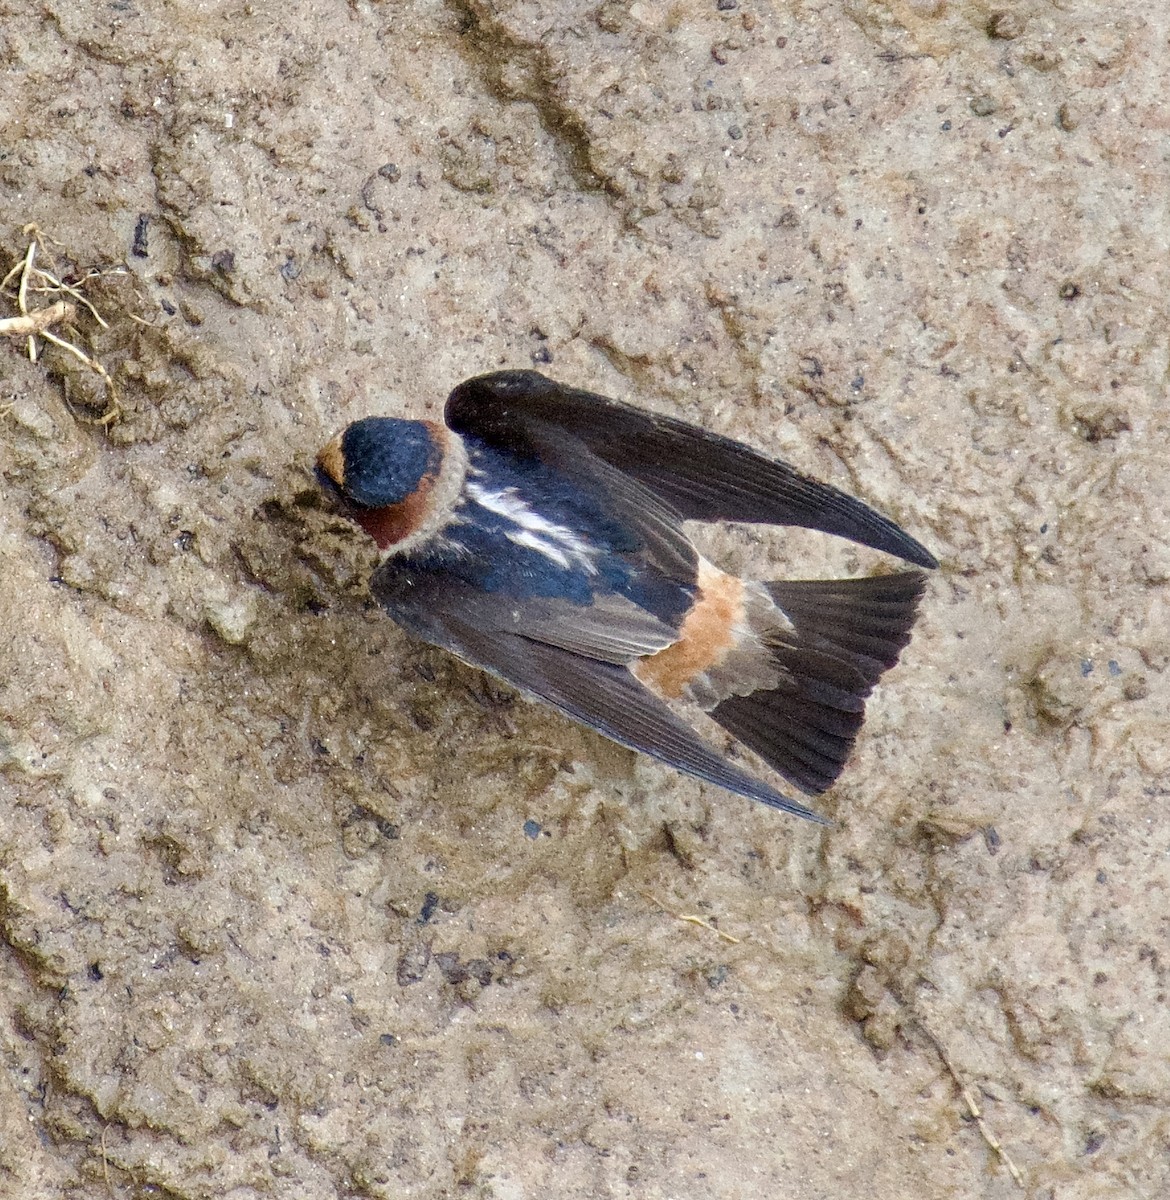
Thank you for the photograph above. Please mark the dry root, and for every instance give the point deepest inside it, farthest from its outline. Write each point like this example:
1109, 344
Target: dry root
37, 323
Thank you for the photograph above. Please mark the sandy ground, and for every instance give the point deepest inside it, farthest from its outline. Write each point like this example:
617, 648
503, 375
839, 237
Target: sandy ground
292, 906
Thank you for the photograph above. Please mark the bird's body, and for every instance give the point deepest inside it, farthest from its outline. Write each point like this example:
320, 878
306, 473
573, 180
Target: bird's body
538, 534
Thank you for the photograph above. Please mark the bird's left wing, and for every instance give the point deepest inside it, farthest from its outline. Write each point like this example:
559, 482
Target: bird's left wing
699, 475
594, 687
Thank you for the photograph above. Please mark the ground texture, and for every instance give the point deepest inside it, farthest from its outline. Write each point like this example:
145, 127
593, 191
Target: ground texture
292, 906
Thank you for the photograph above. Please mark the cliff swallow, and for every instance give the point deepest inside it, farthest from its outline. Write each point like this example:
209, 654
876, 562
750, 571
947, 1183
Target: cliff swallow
538, 534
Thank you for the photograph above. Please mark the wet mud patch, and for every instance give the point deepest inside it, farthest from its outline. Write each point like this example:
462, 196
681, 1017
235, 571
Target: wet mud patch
292, 905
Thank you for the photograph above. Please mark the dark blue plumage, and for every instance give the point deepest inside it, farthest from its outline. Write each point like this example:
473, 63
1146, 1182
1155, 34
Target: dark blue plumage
571, 547
538, 534
386, 459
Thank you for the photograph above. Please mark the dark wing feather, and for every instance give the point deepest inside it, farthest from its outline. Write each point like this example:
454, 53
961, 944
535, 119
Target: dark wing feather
601, 694
612, 629
700, 475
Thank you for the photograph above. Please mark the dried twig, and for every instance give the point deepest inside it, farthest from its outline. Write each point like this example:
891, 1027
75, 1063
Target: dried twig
992, 1141
106, 1161
36, 323
690, 918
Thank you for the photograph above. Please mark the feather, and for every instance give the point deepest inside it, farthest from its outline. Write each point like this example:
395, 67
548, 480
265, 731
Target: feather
699, 475
846, 634
602, 694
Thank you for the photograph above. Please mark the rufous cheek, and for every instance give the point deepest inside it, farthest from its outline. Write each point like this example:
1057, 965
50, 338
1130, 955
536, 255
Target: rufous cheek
391, 524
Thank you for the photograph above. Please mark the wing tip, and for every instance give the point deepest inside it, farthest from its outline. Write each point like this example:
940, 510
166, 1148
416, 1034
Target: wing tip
915, 552
868, 527
782, 803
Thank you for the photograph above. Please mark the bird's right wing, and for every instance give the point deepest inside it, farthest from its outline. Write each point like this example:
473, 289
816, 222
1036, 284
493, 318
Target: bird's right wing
597, 691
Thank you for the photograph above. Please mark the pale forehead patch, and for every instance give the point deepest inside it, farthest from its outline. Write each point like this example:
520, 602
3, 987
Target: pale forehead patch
332, 461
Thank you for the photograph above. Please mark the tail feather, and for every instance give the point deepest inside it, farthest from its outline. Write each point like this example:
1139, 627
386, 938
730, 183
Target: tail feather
821, 677
773, 716
846, 634
769, 722
866, 622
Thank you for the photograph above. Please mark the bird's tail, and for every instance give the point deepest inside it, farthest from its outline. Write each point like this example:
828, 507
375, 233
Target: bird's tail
846, 633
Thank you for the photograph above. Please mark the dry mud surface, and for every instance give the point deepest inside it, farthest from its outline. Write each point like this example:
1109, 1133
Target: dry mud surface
292, 906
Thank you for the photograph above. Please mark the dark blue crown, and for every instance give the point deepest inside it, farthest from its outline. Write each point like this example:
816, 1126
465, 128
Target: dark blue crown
386, 459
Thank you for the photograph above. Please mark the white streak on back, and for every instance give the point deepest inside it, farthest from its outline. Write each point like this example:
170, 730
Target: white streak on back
556, 542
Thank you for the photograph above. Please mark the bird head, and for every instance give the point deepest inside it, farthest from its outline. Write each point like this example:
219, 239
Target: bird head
379, 461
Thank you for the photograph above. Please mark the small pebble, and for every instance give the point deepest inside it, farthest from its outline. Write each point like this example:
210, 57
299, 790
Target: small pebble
1005, 26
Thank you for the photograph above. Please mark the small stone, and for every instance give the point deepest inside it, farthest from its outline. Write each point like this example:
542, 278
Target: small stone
984, 106
610, 16
430, 906
413, 963
1005, 26
232, 619
32, 418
